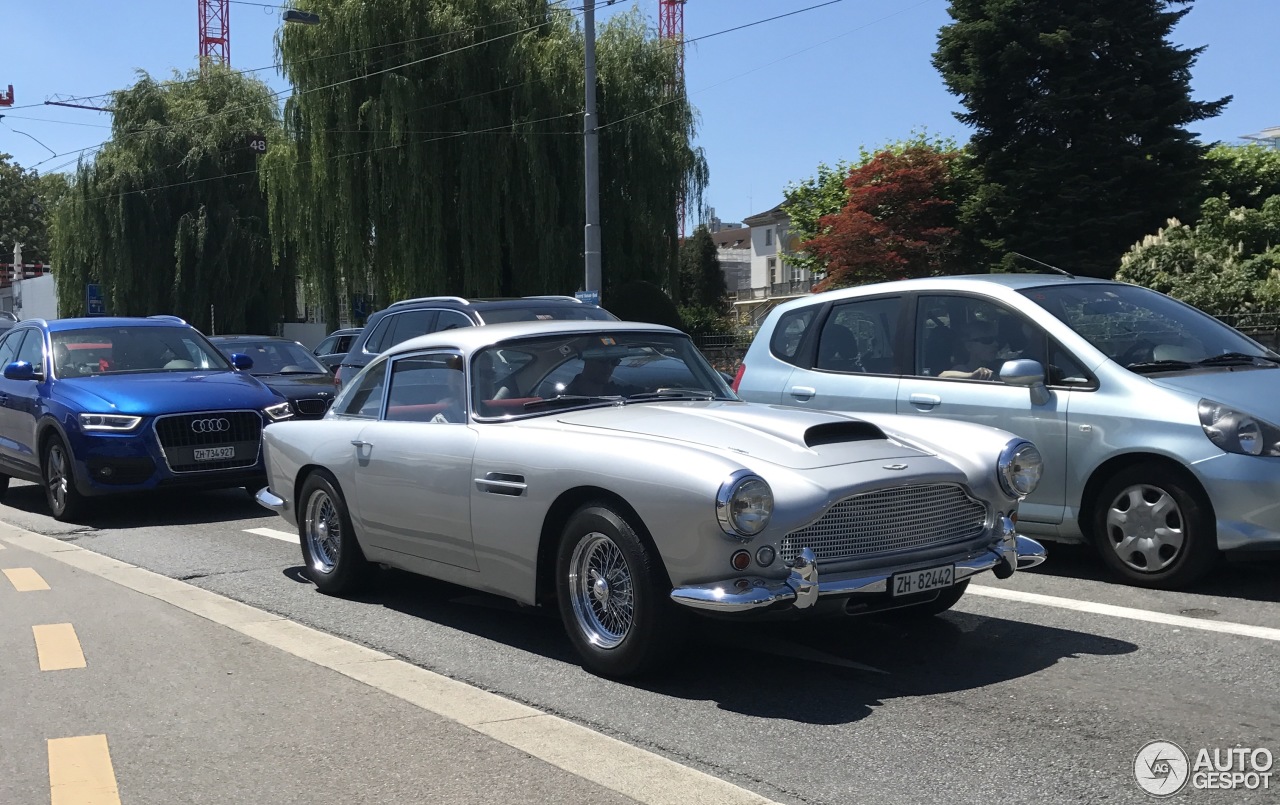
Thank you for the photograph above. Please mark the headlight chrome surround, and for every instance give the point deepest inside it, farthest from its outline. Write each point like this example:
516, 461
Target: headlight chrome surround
1238, 432
278, 411
744, 505
109, 423
1020, 468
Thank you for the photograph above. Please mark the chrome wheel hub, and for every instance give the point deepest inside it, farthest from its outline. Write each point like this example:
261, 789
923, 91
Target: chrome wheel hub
323, 531
1145, 528
601, 591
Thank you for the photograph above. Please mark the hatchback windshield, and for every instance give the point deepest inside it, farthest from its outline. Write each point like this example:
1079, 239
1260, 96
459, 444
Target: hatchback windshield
123, 350
1147, 331
556, 372
275, 357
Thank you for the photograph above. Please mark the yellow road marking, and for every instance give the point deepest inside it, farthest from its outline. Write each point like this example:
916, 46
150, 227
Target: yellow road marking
24, 579
58, 647
80, 772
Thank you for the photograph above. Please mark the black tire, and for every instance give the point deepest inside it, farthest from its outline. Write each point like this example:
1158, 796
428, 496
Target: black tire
643, 628
4, 486
65, 501
945, 600
337, 566
1165, 500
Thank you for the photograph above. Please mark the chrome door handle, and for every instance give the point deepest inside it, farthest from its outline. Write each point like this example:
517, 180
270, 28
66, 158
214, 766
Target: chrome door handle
361, 443
803, 392
926, 399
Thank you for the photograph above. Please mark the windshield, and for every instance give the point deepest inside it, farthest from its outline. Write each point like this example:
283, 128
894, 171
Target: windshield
552, 373
275, 357
126, 350
1147, 331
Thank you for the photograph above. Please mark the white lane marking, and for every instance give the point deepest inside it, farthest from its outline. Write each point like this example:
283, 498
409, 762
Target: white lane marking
283, 536
1095, 608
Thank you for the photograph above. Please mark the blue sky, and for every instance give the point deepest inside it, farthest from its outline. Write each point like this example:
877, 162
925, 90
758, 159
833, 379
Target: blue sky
775, 100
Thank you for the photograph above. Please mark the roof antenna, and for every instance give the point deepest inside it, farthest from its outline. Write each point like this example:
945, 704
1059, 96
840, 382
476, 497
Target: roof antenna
1046, 265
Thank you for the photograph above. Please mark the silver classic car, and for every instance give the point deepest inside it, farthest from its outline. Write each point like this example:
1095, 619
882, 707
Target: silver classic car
607, 469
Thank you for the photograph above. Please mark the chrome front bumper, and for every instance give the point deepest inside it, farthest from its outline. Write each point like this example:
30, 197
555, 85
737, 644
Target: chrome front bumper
271, 500
803, 588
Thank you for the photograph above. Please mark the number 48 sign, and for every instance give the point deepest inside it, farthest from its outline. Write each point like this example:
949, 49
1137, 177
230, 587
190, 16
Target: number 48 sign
258, 143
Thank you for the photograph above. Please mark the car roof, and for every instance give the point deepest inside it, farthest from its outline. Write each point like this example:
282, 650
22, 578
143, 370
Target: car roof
468, 339
59, 325
482, 304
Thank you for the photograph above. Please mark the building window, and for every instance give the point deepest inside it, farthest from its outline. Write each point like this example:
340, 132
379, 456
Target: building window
768, 236
773, 271
797, 274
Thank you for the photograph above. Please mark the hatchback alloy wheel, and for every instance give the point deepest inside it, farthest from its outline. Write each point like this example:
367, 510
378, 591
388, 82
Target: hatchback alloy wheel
1144, 528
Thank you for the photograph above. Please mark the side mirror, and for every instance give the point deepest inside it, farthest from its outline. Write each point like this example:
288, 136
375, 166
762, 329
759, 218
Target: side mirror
241, 361
19, 370
1029, 374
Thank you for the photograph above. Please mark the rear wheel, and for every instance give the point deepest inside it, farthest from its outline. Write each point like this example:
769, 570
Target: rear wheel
4, 486
330, 550
65, 501
1154, 528
613, 595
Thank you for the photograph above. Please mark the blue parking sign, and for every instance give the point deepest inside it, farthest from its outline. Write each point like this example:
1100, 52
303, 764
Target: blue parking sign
588, 297
95, 306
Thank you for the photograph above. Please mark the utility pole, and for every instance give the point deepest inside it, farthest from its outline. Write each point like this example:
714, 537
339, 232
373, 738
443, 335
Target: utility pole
591, 156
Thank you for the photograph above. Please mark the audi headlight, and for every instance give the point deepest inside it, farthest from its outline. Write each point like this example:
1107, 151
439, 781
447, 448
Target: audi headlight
109, 422
278, 411
744, 505
1236, 432
1020, 468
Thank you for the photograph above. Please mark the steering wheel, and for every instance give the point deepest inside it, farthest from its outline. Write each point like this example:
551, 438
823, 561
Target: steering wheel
1141, 352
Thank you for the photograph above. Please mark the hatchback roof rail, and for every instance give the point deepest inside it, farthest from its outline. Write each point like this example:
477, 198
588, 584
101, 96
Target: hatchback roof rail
457, 299
168, 317
556, 296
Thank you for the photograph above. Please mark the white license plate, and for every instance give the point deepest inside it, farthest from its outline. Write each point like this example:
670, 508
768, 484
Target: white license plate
214, 453
920, 581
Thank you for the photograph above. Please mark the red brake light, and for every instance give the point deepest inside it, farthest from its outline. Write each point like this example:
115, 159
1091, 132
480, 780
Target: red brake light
737, 377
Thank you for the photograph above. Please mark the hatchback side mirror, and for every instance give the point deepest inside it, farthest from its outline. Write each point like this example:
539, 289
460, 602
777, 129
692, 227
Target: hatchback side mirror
241, 361
19, 370
1029, 374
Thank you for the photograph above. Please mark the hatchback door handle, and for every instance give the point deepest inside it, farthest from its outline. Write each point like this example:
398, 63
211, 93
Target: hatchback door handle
803, 392
929, 400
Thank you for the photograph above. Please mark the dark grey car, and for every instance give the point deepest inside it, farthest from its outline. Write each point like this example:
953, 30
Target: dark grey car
335, 346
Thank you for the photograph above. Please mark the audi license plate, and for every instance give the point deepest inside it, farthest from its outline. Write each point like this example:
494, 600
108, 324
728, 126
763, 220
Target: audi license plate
920, 581
214, 453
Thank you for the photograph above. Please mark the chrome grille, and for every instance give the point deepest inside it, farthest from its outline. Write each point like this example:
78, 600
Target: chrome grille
890, 520
179, 440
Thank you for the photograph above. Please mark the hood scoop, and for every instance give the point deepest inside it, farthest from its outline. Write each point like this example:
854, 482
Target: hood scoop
841, 432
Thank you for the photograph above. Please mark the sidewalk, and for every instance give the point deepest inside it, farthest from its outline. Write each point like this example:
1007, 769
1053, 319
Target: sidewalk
235, 705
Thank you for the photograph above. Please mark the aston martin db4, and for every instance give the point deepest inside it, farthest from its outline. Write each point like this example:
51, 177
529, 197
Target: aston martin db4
607, 469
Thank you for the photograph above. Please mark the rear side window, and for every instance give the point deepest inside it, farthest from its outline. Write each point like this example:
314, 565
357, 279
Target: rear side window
789, 333
373, 344
365, 398
451, 320
326, 346
858, 337
410, 324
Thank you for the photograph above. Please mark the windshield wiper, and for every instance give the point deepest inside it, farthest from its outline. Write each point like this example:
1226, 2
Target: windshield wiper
672, 394
1147, 367
1235, 359
567, 401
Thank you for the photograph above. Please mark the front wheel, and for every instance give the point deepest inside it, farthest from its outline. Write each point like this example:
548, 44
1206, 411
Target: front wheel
1154, 529
65, 501
330, 552
613, 595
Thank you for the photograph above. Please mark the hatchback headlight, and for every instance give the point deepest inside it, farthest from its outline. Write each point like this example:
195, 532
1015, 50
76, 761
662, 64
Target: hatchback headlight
1236, 432
1020, 468
109, 422
744, 505
278, 411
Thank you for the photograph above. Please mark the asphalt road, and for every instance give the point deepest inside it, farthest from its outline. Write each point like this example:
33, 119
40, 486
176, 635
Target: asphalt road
1042, 700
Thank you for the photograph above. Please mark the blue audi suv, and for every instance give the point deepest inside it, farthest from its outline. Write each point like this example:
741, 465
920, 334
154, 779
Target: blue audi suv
101, 406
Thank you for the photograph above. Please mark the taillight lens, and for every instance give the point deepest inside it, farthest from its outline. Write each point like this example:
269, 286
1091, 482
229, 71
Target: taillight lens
737, 377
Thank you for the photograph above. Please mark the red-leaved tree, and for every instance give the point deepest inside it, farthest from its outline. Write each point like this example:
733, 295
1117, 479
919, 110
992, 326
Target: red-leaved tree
898, 222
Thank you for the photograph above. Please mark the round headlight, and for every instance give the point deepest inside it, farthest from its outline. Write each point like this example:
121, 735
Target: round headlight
1020, 468
744, 505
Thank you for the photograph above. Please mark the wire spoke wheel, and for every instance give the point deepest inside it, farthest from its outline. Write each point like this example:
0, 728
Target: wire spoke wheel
323, 528
602, 590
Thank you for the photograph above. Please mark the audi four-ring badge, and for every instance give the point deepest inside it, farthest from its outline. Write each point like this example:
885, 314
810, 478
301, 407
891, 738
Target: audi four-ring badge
129, 405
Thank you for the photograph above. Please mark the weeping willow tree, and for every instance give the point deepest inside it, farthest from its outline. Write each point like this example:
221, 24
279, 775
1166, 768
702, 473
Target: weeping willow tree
436, 148
169, 217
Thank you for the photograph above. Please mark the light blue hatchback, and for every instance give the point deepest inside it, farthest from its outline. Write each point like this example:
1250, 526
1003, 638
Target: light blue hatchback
1156, 420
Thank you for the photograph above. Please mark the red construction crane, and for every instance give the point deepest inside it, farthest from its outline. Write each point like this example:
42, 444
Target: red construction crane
215, 31
671, 26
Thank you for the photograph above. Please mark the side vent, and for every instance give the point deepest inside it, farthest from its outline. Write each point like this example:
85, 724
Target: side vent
838, 432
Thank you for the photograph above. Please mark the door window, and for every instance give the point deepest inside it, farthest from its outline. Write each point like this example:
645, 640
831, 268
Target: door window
365, 397
858, 337
427, 388
9, 347
32, 350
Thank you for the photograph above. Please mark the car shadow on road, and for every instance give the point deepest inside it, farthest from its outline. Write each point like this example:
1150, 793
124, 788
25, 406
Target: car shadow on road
1251, 578
830, 671
164, 508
